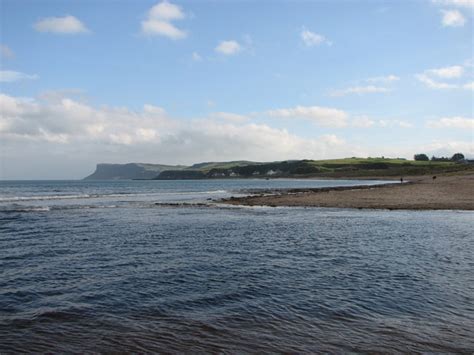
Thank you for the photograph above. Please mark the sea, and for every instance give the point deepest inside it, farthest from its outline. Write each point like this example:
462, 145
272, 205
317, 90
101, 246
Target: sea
159, 266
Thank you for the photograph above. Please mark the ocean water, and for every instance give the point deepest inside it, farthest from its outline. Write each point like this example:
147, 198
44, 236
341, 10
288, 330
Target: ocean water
99, 267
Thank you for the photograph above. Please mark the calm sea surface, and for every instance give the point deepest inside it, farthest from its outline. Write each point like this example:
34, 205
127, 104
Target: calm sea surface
98, 266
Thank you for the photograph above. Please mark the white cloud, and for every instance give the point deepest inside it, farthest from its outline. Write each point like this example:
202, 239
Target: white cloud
228, 47
155, 111
383, 79
230, 117
196, 57
452, 72
312, 39
362, 122
452, 18
64, 119
469, 86
431, 77
446, 148
324, 116
458, 3
64, 138
366, 122
394, 123
62, 25
6, 52
166, 11
452, 122
58, 95
469, 63
433, 84
368, 89
162, 28
159, 18
114, 134
360, 90
8, 76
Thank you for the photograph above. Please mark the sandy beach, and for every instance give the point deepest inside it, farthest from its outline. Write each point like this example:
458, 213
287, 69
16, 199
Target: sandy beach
445, 192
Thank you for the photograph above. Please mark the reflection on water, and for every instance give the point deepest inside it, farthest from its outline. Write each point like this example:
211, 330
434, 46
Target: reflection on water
150, 278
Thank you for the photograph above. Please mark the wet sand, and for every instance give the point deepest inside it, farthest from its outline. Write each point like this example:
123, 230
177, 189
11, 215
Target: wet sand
446, 192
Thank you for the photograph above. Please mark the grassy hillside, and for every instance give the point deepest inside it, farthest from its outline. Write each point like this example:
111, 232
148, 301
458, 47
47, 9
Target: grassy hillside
384, 167
349, 167
205, 167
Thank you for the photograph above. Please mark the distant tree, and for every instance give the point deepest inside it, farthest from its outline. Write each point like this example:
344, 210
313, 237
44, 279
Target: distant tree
433, 158
421, 157
457, 157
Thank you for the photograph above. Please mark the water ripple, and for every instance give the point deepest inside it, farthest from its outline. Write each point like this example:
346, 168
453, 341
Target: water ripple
236, 280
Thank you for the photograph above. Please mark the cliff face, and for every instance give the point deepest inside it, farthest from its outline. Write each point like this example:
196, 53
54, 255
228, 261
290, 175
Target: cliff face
128, 171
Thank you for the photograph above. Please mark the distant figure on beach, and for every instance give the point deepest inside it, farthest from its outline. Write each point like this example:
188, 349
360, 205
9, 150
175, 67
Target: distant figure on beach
434, 178
401, 180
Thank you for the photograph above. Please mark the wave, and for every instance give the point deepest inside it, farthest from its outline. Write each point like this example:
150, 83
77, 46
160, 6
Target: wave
25, 209
62, 197
41, 198
89, 196
22, 208
213, 192
177, 204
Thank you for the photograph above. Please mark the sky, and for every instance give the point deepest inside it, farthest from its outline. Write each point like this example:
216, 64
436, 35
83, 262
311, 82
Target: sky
182, 82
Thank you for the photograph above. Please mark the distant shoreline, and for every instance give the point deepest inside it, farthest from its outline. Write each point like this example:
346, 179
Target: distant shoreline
347, 168
445, 192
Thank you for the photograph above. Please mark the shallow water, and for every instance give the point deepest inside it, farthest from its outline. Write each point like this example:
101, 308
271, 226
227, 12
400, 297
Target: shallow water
140, 277
93, 192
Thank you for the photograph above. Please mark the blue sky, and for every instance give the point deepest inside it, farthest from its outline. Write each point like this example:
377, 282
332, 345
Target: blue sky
84, 82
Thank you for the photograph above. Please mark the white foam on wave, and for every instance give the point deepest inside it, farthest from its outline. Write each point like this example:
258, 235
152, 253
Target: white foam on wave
195, 192
86, 196
26, 209
63, 197
41, 198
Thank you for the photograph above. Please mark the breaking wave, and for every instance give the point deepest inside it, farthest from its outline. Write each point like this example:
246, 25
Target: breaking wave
111, 195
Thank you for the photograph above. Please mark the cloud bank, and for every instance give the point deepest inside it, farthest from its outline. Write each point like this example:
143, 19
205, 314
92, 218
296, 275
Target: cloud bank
59, 135
324, 116
71, 129
456, 122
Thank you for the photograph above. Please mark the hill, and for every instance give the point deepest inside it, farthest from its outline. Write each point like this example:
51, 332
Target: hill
334, 168
136, 171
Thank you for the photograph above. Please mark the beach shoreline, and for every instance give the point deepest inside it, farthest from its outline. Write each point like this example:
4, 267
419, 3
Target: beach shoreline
441, 192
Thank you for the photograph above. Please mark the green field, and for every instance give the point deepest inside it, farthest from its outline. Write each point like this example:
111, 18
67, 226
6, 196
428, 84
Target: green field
384, 167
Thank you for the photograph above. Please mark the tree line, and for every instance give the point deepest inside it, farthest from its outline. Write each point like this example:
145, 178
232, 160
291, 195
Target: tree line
424, 157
